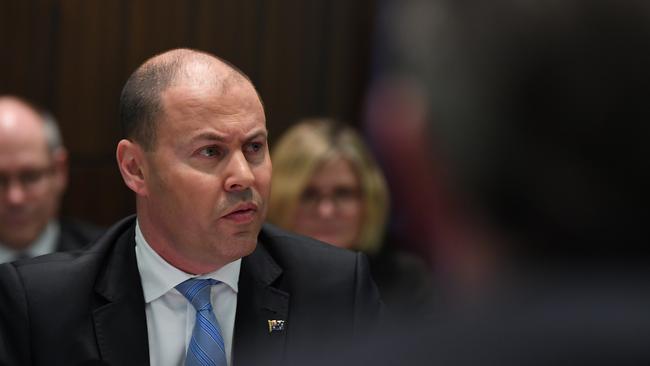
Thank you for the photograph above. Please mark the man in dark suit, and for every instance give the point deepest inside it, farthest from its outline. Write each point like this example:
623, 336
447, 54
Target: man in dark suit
33, 177
196, 156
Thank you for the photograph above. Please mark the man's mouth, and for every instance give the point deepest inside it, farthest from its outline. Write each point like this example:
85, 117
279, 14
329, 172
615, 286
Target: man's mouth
17, 219
242, 214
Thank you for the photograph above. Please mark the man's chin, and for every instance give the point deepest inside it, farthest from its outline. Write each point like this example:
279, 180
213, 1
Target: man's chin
247, 231
247, 243
250, 249
17, 242
239, 250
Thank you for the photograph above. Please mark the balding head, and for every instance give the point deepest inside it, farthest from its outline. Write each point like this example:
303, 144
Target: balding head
140, 102
19, 120
33, 172
19, 116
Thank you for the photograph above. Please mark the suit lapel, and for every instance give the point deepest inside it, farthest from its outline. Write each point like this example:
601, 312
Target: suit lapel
120, 321
259, 302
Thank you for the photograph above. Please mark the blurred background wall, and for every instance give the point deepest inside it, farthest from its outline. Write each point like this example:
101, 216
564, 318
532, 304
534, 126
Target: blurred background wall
73, 56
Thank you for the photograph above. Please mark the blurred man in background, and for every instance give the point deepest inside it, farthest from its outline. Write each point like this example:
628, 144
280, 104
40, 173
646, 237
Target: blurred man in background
33, 178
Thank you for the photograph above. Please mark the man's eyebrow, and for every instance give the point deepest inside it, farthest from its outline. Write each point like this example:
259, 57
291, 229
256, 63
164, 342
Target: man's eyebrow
212, 136
209, 136
259, 133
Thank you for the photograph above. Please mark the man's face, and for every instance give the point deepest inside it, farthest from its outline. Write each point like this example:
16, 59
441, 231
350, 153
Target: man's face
31, 179
208, 177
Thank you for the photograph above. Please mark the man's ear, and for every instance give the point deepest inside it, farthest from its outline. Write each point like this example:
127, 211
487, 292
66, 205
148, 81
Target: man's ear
130, 160
60, 166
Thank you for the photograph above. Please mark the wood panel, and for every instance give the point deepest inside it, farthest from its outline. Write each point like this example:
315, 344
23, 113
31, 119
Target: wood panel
73, 56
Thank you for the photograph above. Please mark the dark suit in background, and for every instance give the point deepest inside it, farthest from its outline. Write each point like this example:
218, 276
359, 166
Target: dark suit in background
76, 234
73, 235
72, 308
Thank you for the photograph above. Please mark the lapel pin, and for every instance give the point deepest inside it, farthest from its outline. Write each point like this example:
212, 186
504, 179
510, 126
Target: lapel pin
276, 325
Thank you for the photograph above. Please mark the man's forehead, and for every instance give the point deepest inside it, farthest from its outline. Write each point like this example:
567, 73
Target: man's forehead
24, 153
209, 115
188, 97
17, 115
20, 125
237, 135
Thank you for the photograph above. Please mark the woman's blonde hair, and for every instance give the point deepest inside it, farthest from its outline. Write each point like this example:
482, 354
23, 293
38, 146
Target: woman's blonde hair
303, 149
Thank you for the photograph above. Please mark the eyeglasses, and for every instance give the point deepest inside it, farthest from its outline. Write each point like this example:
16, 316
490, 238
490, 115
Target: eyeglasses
343, 198
29, 179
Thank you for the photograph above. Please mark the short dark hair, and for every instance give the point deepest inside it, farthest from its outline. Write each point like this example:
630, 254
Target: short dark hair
140, 102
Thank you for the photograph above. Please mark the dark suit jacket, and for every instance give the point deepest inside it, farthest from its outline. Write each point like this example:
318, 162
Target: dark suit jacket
80, 307
403, 280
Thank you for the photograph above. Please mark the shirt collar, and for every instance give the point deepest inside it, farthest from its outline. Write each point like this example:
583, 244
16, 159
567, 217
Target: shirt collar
159, 276
44, 244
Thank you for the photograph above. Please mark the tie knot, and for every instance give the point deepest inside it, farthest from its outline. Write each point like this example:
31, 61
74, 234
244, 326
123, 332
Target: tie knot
197, 292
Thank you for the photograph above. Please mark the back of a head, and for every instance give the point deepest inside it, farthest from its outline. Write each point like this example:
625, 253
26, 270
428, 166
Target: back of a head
541, 107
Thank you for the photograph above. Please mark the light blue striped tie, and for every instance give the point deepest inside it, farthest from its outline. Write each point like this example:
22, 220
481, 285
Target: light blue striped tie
206, 346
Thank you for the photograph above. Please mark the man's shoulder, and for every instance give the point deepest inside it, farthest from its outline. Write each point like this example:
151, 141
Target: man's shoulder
66, 267
304, 261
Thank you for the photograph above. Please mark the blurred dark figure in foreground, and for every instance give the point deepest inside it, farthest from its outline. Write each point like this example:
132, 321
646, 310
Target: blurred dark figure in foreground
33, 178
540, 111
327, 185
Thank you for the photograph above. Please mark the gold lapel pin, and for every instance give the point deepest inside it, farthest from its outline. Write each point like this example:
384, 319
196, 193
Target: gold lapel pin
276, 325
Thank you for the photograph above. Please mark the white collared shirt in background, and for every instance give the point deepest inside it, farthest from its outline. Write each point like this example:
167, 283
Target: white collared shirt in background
44, 244
170, 317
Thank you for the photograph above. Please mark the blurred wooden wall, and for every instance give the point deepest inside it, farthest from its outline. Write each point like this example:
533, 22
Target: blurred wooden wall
73, 56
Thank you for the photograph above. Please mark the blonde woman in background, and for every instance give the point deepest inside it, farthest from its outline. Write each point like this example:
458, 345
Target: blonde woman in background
327, 185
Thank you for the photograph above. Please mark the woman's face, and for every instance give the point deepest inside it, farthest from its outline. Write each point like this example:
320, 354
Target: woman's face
331, 208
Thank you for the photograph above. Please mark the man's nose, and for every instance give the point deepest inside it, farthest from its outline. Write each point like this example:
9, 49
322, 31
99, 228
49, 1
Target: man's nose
239, 175
15, 192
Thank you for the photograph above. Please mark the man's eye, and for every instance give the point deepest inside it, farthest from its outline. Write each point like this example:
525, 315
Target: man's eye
254, 147
210, 151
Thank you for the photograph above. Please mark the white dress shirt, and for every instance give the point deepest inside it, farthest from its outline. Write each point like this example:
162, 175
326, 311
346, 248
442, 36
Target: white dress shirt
170, 316
44, 244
